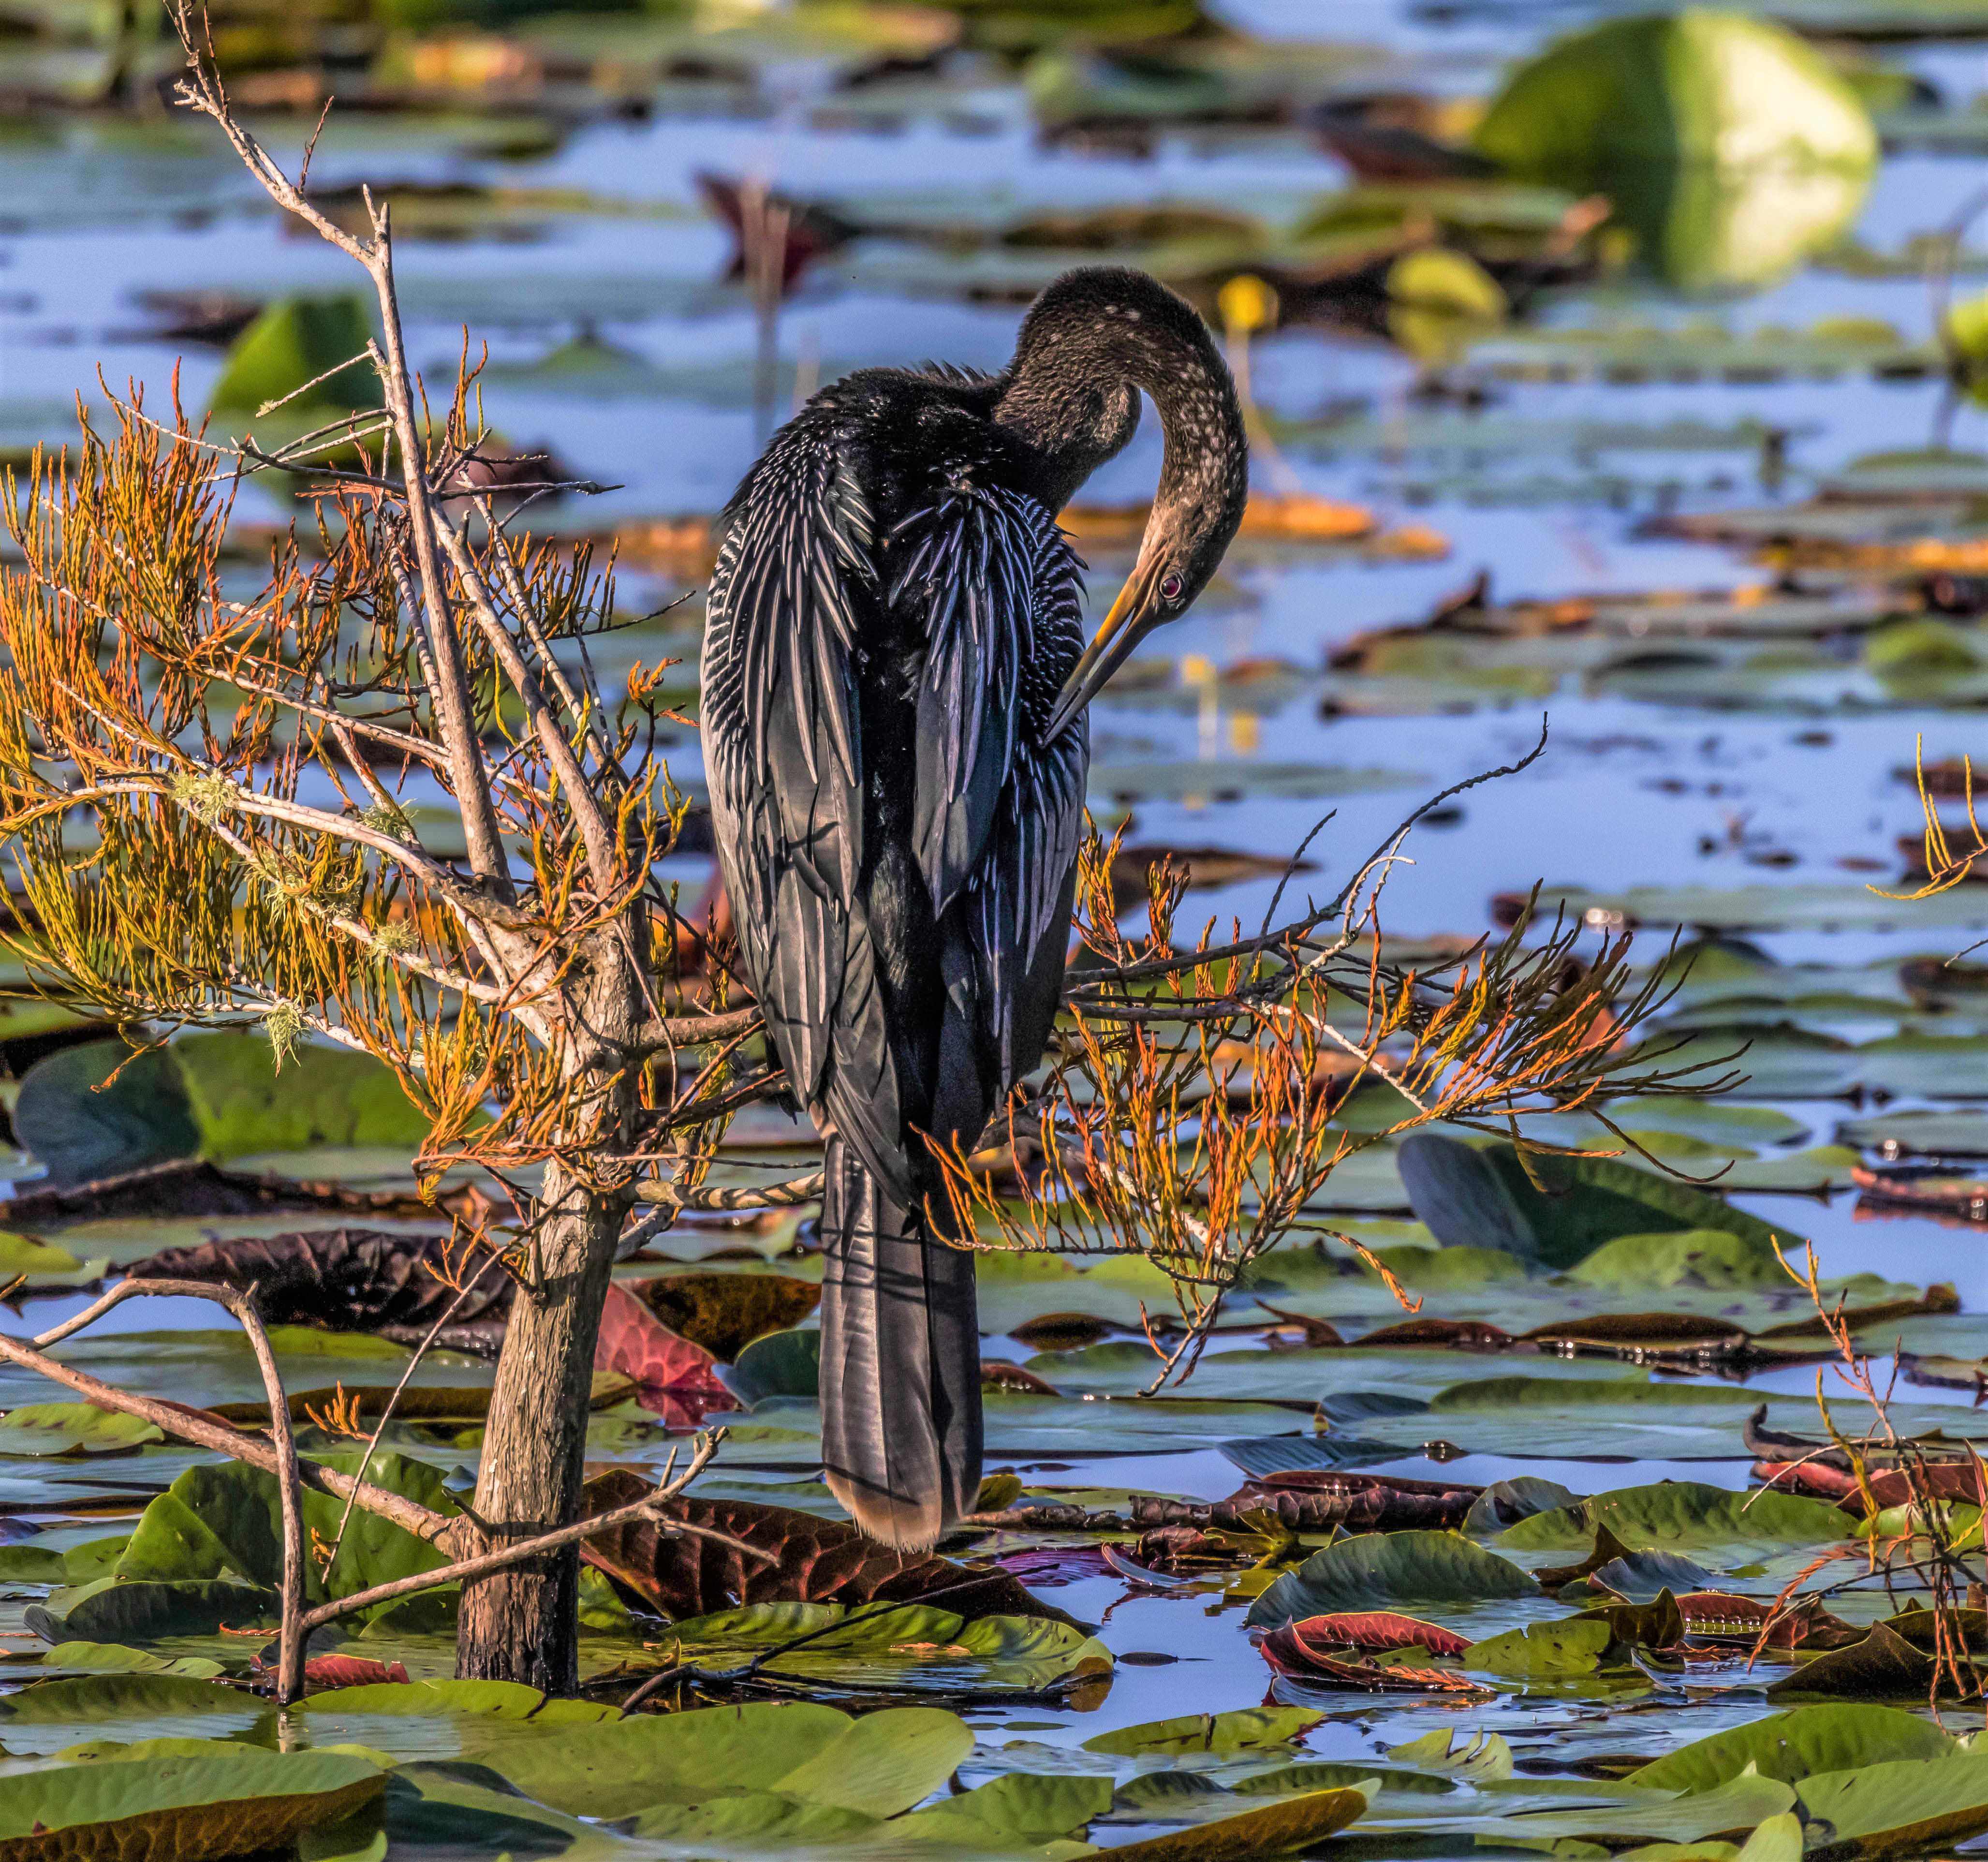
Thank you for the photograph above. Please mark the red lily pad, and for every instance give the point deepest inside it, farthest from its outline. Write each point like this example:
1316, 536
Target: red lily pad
1338, 1651
674, 1379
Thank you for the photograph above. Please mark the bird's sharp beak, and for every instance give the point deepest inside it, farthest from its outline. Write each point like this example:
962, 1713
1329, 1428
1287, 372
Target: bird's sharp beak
1133, 616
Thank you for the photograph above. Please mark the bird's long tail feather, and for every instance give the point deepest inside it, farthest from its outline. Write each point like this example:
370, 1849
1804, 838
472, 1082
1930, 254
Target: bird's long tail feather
900, 1363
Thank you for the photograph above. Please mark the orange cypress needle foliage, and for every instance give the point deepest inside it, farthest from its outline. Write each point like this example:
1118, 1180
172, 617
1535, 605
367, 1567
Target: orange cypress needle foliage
1189, 1114
204, 794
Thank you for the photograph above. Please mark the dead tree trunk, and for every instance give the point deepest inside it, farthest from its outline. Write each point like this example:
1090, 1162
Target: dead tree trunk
521, 1623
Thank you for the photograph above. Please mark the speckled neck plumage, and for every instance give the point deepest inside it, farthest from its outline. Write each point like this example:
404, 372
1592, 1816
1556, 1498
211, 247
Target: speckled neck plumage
1091, 342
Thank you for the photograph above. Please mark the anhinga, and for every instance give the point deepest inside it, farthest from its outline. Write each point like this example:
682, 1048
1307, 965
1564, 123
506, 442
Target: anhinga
895, 685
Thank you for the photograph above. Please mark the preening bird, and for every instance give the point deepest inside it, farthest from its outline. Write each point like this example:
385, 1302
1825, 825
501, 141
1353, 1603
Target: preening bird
895, 691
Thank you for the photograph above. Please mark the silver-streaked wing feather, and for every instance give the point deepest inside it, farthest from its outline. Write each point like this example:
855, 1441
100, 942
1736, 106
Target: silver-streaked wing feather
964, 564
1018, 901
794, 578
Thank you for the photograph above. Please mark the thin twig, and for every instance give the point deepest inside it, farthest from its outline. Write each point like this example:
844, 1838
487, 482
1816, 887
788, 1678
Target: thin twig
205, 1431
290, 1643
387, 1414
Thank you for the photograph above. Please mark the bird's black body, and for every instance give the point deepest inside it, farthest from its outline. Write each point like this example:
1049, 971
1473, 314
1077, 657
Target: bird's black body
893, 617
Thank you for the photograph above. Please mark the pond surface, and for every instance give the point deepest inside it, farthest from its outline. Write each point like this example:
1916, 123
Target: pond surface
1671, 464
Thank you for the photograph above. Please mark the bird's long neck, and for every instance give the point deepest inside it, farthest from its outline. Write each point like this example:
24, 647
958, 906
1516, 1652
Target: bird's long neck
1072, 396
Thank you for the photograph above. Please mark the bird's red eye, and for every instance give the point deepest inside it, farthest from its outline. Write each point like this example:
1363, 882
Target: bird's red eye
1170, 587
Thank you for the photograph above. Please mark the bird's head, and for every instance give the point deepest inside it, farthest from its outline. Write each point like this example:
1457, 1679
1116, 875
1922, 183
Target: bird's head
1121, 329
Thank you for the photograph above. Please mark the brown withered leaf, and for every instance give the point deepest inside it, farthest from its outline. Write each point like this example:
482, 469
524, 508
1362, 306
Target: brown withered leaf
1062, 1331
1309, 1501
1454, 1335
725, 1312
821, 1561
1889, 1486
346, 1279
1662, 1335
1938, 1300
1320, 1499
1367, 1631
1658, 1625
1175, 1550
418, 1404
1715, 1616
1952, 1627
1315, 1334
1880, 1666
1607, 1549
351, 1672
999, 1374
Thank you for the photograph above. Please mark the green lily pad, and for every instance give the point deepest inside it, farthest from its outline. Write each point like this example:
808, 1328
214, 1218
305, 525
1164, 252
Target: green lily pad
96, 1698
116, 1658
458, 1804
484, 1699
1542, 1651
1895, 1807
1792, 1745
1377, 1570
1017, 1810
1729, 146
215, 1095
106, 1610
757, 1819
878, 1766
1245, 1729
164, 1806
1681, 1515
1695, 1257
31, 1564
1728, 1810
45, 1267
216, 1524
72, 1429
781, 1364
911, 1645
290, 344
1484, 1195
1958, 1134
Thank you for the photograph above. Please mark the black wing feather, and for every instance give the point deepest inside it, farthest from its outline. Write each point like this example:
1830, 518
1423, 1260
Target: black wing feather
1018, 900
966, 566
992, 584
793, 580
